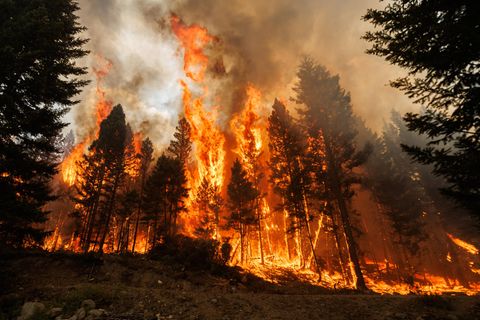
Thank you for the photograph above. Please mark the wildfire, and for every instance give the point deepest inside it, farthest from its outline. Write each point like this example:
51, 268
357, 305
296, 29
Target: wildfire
103, 107
271, 250
470, 248
69, 166
194, 39
208, 140
247, 128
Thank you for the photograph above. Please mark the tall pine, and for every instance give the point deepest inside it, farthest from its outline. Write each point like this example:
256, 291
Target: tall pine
241, 201
438, 43
328, 112
39, 44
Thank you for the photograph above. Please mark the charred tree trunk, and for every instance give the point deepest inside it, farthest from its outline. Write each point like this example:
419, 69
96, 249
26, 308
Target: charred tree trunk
109, 212
338, 195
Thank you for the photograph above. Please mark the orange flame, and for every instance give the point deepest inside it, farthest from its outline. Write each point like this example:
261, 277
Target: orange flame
470, 248
193, 39
102, 108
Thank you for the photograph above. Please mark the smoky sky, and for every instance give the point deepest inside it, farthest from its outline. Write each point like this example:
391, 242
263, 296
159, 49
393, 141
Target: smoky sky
260, 42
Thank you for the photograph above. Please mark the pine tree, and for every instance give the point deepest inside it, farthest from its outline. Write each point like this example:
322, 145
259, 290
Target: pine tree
290, 174
39, 43
164, 196
102, 171
181, 147
328, 113
241, 202
208, 203
438, 43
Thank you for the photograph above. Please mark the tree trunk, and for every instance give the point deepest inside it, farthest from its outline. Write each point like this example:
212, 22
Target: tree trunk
109, 211
352, 249
336, 189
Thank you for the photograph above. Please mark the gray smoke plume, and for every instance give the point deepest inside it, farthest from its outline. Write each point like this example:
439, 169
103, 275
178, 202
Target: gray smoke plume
260, 42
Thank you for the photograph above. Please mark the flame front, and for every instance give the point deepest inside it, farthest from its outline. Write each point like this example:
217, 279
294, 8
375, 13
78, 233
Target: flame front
217, 140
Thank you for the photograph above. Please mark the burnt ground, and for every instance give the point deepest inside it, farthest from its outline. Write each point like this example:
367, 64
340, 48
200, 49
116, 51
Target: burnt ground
134, 287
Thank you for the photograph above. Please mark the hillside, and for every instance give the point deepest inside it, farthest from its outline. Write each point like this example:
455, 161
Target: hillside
135, 287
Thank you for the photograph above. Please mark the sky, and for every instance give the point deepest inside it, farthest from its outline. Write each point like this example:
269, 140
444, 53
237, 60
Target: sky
259, 42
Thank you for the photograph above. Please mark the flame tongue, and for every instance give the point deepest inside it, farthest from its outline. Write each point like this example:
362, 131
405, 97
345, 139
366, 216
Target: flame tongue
193, 39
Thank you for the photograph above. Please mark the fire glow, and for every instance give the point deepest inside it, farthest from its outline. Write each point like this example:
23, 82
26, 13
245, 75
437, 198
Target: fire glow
270, 249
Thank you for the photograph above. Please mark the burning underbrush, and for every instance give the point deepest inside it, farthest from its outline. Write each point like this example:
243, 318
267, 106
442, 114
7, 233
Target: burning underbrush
290, 205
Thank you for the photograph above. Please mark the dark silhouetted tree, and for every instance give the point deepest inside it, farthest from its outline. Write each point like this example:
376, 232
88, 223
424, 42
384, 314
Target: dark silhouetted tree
290, 175
164, 196
209, 204
101, 174
439, 44
328, 112
181, 146
242, 196
39, 44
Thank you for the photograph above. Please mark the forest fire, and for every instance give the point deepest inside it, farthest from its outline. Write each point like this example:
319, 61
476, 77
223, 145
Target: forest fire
293, 220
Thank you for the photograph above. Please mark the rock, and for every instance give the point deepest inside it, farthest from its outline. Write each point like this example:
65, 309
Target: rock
74, 317
55, 312
96, 313
452, 317
88, 304
30, 309
400, 315
81, 314
214, 300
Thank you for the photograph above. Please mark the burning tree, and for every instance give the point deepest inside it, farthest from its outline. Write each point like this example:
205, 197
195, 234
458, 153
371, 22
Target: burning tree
290, 176
242, 196
328, 113
208, 204
181, 146
165, 194
102, 171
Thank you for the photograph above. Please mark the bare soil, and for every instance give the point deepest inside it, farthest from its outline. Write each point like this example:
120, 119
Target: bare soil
134, 287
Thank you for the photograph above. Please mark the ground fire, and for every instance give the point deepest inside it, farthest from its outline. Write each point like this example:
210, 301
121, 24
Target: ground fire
287, 217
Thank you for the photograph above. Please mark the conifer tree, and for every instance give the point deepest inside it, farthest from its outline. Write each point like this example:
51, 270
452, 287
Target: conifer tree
39, 45
328, 112
208, 203
241, 203
290, 175
181, 147
164, 196
438, 43
102, 171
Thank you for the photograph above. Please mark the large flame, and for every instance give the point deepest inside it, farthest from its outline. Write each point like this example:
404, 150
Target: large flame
272, 251
103, 107
208, 139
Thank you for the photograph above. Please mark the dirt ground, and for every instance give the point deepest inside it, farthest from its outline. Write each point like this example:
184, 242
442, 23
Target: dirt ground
139, 288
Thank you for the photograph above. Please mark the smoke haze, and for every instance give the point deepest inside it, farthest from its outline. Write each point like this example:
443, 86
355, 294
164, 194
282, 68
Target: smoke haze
259, 42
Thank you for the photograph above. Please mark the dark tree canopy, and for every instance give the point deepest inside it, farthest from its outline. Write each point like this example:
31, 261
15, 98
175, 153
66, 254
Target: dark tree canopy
39, 43
181, 146
438, 43
327, 112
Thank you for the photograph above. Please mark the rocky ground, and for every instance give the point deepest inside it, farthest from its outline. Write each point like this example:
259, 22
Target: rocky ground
64, 286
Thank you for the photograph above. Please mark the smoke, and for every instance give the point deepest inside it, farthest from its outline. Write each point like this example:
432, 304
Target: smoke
260, 42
